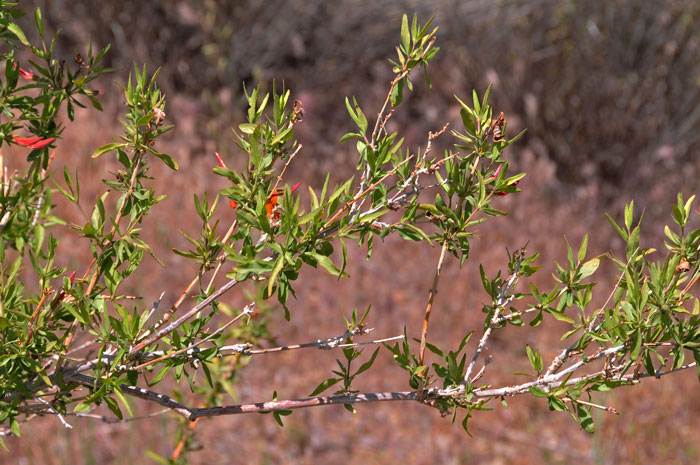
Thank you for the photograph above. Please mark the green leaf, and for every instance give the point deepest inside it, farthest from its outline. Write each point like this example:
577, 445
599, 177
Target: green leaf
687, 205
108, 148
397, 94
324, 385
14, 427
609, 385
560, 316
372, 216
589, 267
619, 230
114, 407
556, 404
535, 359
636, 345
366, 366
435, 350
38, 22
405, 34
273, 274
585, 418
247, 128
326, 263
152, 455
82, 407
582, 249
15, 29
357, 116
350, 135
629, 214
675, 239
167, 159
351, 112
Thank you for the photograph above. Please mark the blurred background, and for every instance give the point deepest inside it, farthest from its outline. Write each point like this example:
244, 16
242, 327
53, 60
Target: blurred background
610, 95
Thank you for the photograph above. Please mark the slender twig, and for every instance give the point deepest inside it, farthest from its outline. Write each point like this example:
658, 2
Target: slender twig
289, 160
561, 358
55, 412
501, 302
419, 169
155, 306
177, 323
690, 284
431, 298
612, 410
107, 419
70, 334
360, 195
272, 406
42, 198
547, 383
44, 294
372, 142
243, 348
145, 394
222, 257
219, 262
323, 345
517, 314
381, 121
248, 310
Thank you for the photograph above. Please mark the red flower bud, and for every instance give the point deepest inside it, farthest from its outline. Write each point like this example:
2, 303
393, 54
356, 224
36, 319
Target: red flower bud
42, 143
495, 175
33, 142
272, 201
26, 141
232, 203
25, 74
218, 158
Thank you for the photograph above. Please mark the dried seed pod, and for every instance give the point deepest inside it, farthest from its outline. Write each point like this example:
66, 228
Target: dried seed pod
683, 266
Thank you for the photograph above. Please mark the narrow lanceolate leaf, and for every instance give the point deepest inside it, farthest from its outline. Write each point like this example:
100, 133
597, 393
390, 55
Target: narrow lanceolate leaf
324, 385
108, 148
405, 34
167, 159
14, 28
365, 366
584, 247
327, 264
273, 275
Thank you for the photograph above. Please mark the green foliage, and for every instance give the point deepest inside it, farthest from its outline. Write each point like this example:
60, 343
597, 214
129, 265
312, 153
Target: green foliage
647, 327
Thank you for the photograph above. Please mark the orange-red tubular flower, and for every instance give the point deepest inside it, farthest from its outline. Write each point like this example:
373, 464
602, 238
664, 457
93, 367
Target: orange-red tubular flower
232, 203
33, 142
42, 143
272, 201
218, 158
25, 74
495, 175
26, 141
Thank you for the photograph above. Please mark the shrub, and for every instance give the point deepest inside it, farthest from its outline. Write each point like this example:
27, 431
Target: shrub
71, 342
